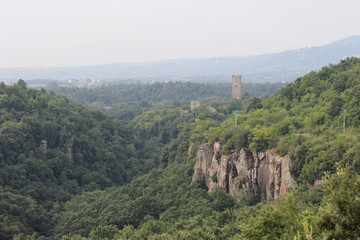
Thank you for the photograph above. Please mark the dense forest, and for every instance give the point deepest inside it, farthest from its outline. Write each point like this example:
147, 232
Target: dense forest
52, 150
126, 101
172, 92
69, 172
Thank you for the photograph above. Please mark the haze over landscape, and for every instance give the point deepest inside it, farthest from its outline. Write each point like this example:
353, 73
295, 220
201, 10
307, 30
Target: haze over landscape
80, 33
277, 67
178, 120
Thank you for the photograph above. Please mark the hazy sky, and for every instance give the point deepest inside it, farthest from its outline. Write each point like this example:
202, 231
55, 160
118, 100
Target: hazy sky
88, 32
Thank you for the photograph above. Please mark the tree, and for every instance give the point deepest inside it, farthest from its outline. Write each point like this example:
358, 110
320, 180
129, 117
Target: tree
103, 232
255, 103
335, 106
339, 216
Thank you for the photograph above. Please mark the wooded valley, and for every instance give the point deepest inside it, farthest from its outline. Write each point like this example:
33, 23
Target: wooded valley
70, 169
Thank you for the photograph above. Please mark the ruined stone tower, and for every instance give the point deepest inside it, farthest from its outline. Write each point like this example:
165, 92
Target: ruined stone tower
236, 86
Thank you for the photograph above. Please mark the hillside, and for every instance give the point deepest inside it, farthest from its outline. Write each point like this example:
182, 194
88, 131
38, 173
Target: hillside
274, 67
193, 193
302, 121
52, 150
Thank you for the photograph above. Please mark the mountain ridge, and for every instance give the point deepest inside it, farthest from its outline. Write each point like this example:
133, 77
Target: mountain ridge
271, 67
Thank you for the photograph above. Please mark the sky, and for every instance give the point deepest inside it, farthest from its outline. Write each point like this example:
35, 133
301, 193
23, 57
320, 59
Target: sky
89, 32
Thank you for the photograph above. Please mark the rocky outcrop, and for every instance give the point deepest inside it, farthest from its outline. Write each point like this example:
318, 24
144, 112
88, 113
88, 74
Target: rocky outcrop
265, 173
69, 147
43, 145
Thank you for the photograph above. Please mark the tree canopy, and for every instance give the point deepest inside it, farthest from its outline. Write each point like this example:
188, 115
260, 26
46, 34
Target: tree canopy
74, 173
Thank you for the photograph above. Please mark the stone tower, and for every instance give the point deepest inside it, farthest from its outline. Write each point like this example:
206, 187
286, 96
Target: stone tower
236, 86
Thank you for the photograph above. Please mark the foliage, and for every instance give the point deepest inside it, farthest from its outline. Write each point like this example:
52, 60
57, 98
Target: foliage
303, 120
173, 93
262, 138
21, 215
103, 189
339, 215
51, 150
103, 232
255, 103
165, 195
299, 120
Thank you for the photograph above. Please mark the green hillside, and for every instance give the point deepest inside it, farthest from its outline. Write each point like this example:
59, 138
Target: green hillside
52, 150
304, 120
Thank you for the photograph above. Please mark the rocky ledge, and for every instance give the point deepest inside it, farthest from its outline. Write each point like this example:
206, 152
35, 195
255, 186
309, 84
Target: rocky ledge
264, 173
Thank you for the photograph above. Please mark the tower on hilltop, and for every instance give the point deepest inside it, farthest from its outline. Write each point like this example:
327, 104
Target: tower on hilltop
236, 86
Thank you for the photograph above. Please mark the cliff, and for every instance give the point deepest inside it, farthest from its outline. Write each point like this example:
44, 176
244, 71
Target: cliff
265, 173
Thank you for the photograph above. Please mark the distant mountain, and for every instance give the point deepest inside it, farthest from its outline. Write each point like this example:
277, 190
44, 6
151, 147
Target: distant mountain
284, 66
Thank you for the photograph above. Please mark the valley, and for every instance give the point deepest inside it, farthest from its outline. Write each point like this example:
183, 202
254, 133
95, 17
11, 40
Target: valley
150, 167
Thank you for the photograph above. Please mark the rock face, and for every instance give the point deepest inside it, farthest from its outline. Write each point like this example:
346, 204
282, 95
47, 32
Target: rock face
43, 145
265, 173
69, 146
